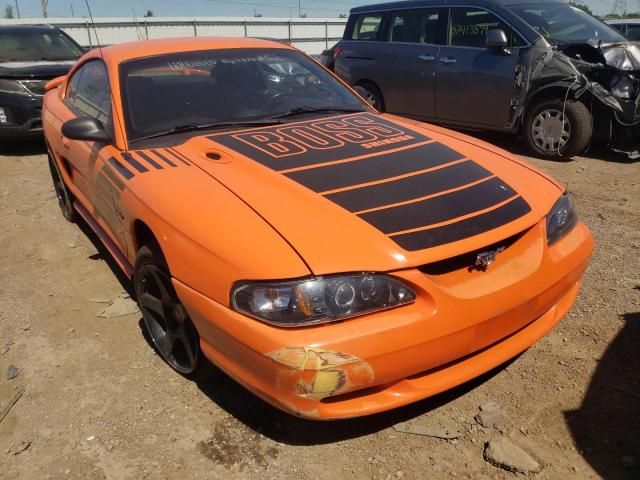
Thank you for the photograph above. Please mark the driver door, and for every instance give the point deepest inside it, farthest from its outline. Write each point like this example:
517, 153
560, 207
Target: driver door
98, 188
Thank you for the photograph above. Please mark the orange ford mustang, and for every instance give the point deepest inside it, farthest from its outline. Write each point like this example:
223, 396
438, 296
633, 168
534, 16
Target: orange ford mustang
335, 261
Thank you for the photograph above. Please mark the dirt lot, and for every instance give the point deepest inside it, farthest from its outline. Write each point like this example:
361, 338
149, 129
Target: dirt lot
99, 403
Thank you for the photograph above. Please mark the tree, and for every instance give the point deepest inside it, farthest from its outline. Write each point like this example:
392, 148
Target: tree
8, 12
149, 13
342, 15
581, 6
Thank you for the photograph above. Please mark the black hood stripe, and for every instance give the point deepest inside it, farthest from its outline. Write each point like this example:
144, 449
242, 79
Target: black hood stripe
122, 170
468, 227
408, 188
163, 158
441, 208
178, 156
134, 163
417, 191
149, 160
375, 168
318, 141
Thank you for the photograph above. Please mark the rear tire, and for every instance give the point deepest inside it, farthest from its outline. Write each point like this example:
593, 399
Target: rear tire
374, 95
65, 197
550, 135
167, 322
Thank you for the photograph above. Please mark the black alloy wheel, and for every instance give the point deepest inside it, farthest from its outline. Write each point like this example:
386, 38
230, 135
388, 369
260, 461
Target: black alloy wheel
165, 318
64, 196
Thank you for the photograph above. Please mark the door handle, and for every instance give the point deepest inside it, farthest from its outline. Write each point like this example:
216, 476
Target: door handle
448, 60
426, 58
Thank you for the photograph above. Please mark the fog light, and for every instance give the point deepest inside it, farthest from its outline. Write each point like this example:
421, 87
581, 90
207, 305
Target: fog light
3, 116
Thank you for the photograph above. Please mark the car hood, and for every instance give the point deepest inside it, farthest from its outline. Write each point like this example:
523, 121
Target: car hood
369, 192
40, 69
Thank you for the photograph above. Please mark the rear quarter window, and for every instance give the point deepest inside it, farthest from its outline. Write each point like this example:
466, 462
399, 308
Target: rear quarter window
367, 27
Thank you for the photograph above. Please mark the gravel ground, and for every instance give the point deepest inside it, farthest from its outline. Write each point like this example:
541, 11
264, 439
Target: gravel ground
97, 402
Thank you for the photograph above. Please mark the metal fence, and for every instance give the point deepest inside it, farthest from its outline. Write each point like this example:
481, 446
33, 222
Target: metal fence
311, 35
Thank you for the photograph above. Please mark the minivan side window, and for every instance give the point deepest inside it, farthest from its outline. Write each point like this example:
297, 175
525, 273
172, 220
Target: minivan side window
88, 92
468, 27
633, 32
367, 27
416, 26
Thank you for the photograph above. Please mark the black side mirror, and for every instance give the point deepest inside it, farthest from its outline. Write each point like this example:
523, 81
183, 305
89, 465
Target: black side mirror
497, 39
85, 128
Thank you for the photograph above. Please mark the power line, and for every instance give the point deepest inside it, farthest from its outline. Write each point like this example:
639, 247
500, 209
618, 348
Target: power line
271, 5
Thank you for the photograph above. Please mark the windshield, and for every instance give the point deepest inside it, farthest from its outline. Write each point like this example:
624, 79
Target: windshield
225, 86
562, 23
37, 45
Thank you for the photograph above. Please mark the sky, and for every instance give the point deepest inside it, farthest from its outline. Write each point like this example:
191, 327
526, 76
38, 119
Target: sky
215, 8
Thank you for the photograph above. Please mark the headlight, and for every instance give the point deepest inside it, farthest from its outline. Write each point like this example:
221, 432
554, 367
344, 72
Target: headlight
319, 300
561, 219
12, 86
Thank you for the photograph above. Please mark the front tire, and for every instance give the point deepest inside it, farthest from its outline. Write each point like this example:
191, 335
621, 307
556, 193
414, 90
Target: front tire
373, 95
165, 318
551, 134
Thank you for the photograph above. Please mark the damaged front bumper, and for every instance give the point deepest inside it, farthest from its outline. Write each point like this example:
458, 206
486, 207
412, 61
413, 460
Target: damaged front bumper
606, 78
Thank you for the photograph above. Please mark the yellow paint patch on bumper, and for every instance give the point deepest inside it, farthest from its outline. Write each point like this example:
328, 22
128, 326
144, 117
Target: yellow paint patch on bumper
316, 373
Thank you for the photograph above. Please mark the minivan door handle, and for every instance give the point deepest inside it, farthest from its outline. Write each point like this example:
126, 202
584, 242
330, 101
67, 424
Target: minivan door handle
448, 60
426, 58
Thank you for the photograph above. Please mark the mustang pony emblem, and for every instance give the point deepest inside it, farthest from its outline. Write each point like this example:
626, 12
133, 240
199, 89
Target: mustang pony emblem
484, 259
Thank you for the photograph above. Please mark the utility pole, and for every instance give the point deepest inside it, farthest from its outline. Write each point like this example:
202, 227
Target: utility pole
72, 12
43, 7
619, 8
299, 8
17, 9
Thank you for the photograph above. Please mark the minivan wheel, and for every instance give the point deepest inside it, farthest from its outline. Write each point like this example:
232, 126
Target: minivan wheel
64, 196
373, 95
551, 134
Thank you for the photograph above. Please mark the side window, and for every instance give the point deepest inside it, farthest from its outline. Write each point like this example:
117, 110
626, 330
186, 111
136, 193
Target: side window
367, 27
633, 32
468, 27
417, 26
88, 92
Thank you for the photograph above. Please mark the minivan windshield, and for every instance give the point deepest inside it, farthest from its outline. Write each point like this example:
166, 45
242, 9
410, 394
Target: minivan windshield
37, 45
185, 91
563, 24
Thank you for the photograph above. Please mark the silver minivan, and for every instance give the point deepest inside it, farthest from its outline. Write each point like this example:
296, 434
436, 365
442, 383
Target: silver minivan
542, 68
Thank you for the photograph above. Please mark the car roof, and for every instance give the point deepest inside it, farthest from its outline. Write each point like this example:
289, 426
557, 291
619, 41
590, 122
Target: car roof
148, 48
431, 3
26, 28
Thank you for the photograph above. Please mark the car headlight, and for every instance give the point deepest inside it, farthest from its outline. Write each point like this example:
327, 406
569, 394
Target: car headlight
12, 86
561, 219
319, 300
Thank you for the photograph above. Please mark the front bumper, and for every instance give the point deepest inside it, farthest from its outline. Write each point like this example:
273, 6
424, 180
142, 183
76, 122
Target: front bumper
21, 115
462, 324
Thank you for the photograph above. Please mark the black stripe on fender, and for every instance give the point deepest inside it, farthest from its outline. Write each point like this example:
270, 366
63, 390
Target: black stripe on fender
441, 208
163, 158
150, 160
464, 228
122, 170
408, 188
134, 163
113, 177
371, 169
178, 156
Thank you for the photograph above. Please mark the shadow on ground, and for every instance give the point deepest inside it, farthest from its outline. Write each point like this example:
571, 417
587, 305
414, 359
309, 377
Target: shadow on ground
516, 145
606, 427
25, 147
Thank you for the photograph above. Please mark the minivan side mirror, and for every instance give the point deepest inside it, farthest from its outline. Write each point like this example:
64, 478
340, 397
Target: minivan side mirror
85, 128
497, 39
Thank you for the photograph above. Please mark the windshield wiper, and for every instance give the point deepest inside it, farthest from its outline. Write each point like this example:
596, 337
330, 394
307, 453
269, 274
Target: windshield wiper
301, 110
192, 127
